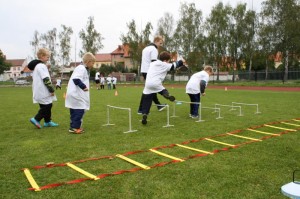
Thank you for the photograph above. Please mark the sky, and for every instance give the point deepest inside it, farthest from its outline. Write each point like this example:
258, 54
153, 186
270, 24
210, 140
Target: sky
19, 19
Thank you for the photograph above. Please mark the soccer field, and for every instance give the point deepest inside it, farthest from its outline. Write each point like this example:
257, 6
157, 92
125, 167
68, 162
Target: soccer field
255, 169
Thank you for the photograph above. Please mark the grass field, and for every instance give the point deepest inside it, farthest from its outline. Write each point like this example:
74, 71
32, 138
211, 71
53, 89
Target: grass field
255, 170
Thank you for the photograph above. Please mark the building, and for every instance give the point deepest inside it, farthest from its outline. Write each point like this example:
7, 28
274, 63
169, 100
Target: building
121, 56
17, 66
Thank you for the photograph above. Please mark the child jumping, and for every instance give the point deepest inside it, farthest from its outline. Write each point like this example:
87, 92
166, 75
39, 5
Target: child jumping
78, 95
42, 88
153, 85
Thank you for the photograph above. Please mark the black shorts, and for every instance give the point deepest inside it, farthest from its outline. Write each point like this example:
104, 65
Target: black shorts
97, 81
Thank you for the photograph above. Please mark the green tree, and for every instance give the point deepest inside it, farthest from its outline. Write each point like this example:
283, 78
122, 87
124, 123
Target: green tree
35, 43
48, 40
286, 17
166, 28
136, 41
91, 38
65, 44
3, 64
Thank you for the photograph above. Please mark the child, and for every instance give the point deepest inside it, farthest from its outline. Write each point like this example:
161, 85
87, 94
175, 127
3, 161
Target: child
42, 88
78, 95
97, 80
58, 84
153, 85
102, 81
196, 87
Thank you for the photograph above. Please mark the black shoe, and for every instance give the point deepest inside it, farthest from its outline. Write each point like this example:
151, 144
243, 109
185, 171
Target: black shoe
144, 120
171, 98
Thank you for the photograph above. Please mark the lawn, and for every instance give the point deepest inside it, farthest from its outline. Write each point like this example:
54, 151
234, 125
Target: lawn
253, 170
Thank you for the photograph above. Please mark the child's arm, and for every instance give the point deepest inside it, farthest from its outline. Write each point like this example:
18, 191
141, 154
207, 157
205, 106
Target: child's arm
81, 85
202, 86
48, 84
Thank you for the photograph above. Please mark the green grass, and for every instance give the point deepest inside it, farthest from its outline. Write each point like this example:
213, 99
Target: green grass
255, 170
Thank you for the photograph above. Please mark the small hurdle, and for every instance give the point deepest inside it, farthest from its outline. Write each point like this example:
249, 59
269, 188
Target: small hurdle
121, 108
238, 103
218, 110
168, 115
232, 107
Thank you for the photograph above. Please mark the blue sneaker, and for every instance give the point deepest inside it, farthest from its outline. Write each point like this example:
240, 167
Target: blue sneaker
50, 124
35, 123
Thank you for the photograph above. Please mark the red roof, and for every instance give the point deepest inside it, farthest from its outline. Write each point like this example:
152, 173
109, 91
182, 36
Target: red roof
15, 62
104, 57
122, 50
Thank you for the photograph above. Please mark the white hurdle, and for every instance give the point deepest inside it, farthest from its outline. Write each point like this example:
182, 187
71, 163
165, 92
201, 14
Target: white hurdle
168, 114
121, 108
232, 107
257, 111
200, 109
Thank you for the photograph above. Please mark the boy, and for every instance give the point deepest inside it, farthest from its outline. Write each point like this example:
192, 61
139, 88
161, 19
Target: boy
153, 85
196, 87
78, 95
58, 84
42, 88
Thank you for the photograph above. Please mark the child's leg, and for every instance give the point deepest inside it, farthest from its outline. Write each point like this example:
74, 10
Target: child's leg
44, 112
146, 103
196, 107
76, 116
191, 104
166, 95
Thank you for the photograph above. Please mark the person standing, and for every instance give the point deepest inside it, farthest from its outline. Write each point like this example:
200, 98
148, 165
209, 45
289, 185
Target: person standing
196, 87
78, 95
97, 80
150, 54
102, 81
42, 88
114, 82
153, 85
109, 82
58, 84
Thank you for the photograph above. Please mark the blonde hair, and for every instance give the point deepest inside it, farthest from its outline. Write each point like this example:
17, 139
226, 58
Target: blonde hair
87, 57
42, 52
158, 38
208, 69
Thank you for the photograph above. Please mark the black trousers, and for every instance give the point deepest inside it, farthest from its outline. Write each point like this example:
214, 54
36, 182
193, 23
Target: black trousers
154, 97
44, 112
148, 98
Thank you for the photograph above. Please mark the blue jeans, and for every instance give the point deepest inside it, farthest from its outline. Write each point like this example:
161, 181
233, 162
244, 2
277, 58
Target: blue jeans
194, 108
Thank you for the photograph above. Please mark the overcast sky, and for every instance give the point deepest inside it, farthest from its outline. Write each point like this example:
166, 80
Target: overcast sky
19, 19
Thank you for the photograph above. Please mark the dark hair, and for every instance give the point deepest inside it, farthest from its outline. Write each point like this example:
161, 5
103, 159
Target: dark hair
164, 56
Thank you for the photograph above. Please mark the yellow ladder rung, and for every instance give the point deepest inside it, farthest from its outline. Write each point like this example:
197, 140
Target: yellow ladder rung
133, 162
262, 132
276, 127
219, 142
82, 171
31, 180
166, 155
296, 120
248, 138
193, 149
290, 124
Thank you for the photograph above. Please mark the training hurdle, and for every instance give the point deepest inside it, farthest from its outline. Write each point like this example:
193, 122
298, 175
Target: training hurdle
121, 108
232, 107
168, 114
238, 103
200, 109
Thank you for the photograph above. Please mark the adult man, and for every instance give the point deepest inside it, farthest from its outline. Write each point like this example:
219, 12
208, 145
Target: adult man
150, 54
97, 80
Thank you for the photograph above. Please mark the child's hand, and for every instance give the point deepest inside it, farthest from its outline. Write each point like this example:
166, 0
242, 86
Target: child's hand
86, 89
52, 94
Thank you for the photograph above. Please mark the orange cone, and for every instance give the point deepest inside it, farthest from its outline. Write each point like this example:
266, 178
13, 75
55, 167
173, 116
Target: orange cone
116, 93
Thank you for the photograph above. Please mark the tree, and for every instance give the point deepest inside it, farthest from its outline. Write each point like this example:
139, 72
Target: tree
3, 64
35, 43
165, 28
136, 41
285, 16
189, 32
65, 44
49, 42
91, 38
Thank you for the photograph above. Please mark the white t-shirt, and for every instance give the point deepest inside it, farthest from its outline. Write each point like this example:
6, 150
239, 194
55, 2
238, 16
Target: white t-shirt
58, 82
97, 75
193, 85
40, 92
77, 98
102, 80
149, 53
155, 76
108, 79
114, 80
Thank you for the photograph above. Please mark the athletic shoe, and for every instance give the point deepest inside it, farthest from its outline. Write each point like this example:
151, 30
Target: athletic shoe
161, 107
171, 98
139, 112
50, 124
76, 131
194, 116
144, 120
35, 123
